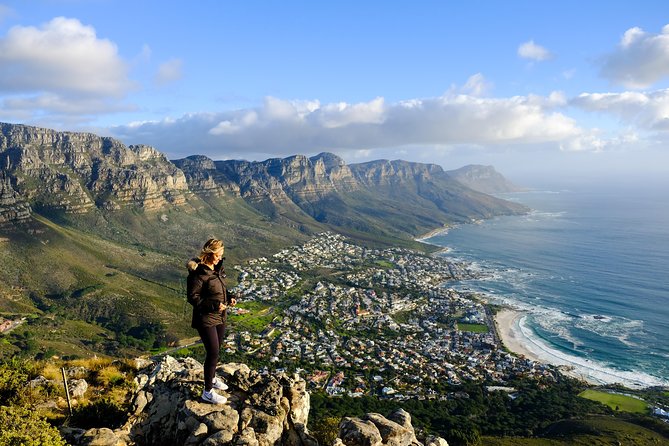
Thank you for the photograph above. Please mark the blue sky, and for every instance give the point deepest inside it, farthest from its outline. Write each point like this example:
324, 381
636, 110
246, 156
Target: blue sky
534, 88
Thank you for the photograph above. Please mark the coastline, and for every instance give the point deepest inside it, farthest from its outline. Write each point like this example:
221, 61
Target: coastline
507, 322
439, 231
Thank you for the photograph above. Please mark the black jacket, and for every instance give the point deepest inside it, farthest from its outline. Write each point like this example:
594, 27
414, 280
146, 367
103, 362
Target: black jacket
205, 292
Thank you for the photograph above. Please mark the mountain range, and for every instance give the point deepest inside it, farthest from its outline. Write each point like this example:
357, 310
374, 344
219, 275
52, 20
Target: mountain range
94, 230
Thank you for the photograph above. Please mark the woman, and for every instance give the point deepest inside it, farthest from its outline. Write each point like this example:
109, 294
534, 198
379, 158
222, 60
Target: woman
209, 298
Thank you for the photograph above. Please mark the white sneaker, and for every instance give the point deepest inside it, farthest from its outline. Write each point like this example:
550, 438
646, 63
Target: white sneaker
213, 397
218, 383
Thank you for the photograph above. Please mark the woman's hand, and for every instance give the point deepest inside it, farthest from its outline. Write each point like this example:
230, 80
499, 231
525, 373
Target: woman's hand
222, 307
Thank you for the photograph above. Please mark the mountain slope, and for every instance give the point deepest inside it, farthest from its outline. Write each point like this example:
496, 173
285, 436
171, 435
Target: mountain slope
97, 232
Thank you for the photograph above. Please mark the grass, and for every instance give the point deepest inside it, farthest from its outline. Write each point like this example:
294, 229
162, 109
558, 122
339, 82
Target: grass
595, 431
473, 328
616, 401
257, 320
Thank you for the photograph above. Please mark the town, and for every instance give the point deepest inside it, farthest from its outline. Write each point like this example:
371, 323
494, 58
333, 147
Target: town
361, 321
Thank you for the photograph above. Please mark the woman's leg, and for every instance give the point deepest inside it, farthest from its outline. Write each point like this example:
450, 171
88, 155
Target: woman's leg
211, 340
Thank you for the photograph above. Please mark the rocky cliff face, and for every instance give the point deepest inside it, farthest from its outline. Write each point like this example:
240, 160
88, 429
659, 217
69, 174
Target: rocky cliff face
262, 410
76, 172
295, 178
81, 173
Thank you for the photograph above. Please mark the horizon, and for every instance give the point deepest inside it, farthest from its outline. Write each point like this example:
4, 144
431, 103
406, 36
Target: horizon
537, 91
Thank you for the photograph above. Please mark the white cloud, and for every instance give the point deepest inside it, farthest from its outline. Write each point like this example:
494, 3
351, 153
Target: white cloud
649, 111
476, 85
530, 50
60, 69
61, 56
279, 127
169, 72
640, 60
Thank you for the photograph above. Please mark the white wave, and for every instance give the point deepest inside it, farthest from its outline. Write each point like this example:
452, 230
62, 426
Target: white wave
587, 369
615, 327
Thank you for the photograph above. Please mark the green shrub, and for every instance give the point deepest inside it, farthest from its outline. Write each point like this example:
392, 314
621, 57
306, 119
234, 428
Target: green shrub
14, 377
23, 427
326, 431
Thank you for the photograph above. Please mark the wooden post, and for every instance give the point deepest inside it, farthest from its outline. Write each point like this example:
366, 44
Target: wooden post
67, 390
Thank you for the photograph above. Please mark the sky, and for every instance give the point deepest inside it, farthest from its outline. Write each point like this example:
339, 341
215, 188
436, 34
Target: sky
538, 89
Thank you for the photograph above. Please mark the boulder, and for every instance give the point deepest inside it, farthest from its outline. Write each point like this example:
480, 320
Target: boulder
357, 432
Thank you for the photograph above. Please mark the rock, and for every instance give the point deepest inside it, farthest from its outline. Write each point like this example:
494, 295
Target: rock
168, 408
77, 387
220, 438
266, 394
40, 381
357, 432
100, 437
247, 437
76, 372
226, 419
198, 435
268, 428
403, 418
392, 433
263, 410
299, 401
431, 440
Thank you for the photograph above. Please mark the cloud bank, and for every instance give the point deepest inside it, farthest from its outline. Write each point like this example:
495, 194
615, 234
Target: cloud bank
280, 127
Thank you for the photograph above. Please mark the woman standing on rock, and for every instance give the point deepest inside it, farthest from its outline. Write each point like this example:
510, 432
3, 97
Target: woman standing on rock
209, 297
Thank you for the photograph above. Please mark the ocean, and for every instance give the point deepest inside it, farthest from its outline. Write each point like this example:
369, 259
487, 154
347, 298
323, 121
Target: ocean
588, 268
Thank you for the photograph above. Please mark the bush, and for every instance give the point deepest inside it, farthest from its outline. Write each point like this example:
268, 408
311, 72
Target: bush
14, 376
326, 431
23, 427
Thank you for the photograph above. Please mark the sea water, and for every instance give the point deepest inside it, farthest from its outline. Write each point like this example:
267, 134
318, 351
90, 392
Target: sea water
589, 268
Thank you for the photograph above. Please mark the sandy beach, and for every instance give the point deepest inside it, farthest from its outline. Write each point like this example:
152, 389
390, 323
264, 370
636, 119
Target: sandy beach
507, 321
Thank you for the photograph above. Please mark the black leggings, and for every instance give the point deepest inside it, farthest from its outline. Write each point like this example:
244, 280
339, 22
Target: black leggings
212, 337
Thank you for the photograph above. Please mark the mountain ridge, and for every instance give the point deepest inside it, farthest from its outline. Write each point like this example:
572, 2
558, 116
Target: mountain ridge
48, 171
97, 231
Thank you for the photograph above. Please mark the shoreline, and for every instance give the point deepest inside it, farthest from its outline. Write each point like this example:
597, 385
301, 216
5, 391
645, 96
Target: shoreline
507, 322
442, 230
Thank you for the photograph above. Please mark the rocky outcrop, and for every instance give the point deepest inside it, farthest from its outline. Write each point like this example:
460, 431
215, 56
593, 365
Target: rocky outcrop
77, 172
374, 429
12, 206
262, 410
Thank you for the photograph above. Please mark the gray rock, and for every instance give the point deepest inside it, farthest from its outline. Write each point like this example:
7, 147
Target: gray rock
226, 419
266, 395
268, 428
247, 437
198, 435
357, 432
78, 387
100, 437
220, 438
432, 440
392, 433
403, 418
